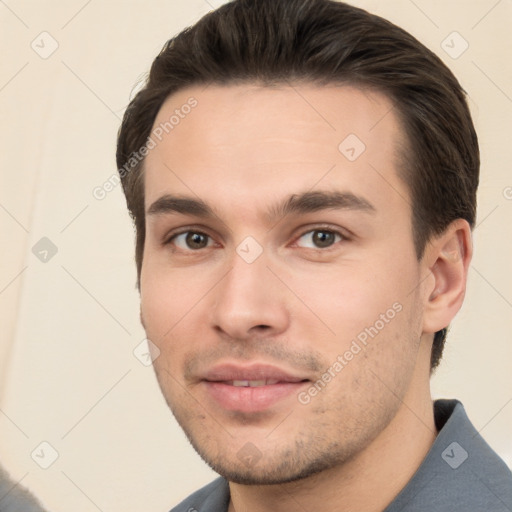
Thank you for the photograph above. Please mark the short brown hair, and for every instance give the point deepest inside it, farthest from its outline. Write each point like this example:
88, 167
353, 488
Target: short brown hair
322, 42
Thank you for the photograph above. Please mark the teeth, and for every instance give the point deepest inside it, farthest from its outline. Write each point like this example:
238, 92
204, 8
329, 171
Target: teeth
240, 383
252, 383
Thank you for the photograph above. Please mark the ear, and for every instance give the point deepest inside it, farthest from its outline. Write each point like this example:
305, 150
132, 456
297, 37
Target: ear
447, 258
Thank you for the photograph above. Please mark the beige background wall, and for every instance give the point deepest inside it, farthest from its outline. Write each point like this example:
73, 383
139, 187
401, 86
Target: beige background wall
68, 375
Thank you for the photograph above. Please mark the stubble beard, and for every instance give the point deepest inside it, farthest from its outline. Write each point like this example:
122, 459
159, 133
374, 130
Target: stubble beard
314, 449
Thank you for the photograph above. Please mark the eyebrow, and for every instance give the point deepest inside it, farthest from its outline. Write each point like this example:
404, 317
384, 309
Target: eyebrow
306, 202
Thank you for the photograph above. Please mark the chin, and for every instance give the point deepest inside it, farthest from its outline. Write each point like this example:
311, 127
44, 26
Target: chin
289, 466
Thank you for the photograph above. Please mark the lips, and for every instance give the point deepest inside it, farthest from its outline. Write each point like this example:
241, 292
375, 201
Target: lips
251, 388
249, 373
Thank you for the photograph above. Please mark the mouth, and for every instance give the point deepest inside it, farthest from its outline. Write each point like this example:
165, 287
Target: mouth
251, 383
252, 388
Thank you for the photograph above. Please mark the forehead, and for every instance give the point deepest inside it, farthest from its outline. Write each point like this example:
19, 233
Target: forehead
255, 142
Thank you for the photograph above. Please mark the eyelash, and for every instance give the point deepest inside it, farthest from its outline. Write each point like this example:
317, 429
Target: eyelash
325, 229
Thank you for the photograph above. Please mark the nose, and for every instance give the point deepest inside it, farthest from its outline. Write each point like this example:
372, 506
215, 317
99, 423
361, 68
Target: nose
249, 301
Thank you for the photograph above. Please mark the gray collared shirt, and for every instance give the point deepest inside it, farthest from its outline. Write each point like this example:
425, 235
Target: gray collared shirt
461, 473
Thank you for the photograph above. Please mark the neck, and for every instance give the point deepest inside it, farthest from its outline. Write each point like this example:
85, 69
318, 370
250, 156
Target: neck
370, 480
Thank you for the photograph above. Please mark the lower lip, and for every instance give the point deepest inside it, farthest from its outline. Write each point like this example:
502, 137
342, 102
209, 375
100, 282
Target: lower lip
251, 399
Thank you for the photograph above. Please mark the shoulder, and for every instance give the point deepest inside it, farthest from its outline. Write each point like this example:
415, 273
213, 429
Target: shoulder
213, 497
14, 498
460, 473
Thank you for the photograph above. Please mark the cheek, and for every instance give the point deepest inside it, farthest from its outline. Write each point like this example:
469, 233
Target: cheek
352, 297
173, 303
161, 312
168, 295
162, 306
156, 304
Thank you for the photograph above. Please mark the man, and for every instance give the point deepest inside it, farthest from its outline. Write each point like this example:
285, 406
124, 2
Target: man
302, 176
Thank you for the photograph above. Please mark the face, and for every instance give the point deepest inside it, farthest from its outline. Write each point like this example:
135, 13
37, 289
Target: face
279, 279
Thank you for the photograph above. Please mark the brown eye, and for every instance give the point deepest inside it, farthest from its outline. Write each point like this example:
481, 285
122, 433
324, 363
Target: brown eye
319, 238
196, 240
190, 240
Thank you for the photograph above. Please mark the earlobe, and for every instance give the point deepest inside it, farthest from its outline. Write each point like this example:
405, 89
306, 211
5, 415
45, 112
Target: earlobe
450, 255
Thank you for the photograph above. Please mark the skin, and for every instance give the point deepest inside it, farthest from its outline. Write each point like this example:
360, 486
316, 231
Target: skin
298, 306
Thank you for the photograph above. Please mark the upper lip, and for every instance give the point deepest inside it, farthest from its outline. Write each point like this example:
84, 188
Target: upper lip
252, 372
